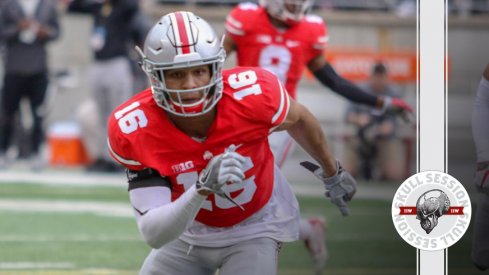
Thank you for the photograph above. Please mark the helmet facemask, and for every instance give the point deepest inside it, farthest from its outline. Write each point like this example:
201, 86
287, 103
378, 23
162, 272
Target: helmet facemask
211, 93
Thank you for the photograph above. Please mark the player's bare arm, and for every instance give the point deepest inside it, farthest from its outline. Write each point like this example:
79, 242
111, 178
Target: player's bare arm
306, 130
229, 45
324, 73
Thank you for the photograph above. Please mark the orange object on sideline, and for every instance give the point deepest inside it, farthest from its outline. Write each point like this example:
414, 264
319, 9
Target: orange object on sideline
65, 145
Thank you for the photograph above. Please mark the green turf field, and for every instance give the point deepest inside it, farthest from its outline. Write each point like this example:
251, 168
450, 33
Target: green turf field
56, 233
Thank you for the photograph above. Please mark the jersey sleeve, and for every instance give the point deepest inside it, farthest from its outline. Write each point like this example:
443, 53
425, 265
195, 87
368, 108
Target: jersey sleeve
275, 102
120, 147
237, 22
319, 35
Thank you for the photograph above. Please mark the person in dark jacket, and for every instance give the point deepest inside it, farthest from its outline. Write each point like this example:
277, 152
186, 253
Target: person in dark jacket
26, 28
111, 74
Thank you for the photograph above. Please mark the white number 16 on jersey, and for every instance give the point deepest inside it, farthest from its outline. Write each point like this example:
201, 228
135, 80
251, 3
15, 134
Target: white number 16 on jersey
240, 80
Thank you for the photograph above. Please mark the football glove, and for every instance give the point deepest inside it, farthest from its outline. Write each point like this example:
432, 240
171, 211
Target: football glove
481, 178
397, 106
340, 188
226, 168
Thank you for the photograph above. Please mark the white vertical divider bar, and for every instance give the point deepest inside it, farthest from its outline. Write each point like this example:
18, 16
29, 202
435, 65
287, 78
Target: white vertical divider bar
432, 106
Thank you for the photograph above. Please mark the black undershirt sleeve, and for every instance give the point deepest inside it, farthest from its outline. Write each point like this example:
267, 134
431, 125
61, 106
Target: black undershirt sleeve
145, 178
329, 78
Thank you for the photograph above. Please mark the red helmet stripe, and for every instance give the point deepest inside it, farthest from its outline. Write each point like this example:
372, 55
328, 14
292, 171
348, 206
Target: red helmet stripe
183, 32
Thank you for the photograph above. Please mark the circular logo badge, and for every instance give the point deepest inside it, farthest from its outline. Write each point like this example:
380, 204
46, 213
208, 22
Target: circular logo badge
431, 210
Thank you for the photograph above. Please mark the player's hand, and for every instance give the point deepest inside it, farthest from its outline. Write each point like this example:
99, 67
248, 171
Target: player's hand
481, 179
340, 188
397, 106
221, 169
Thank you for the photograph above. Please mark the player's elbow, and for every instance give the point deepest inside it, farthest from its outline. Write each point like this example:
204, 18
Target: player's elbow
151, 237
154, 235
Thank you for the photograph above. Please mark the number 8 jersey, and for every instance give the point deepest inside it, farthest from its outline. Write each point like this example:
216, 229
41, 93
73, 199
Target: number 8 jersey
253, 103
283, 52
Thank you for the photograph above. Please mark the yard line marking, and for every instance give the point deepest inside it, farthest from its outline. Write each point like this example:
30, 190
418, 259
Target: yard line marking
64, 178
60, 206
91, 271
69, 238
36, 265
79, 178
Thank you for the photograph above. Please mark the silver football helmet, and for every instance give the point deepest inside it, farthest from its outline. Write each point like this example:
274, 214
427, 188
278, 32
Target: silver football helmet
183, 40
288, 11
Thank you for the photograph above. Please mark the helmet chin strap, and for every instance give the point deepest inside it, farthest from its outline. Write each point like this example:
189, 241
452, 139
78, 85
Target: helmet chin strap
197, 107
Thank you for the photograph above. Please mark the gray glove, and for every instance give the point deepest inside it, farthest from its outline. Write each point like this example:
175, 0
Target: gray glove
340, 188
222, 169
481, 178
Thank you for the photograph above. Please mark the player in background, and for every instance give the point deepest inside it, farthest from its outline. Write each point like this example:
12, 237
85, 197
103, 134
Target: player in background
279, 35
480, 132
202, 181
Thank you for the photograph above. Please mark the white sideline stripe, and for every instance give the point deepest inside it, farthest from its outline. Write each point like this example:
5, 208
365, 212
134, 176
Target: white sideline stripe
79, 178
60, 206
63, 178
70, 238
36, 265
28, 238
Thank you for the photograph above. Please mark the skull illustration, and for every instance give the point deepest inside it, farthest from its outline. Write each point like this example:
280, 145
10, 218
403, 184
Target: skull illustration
428, 210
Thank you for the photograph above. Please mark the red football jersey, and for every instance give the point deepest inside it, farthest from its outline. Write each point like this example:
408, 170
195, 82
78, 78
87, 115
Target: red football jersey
253, 104
283, 52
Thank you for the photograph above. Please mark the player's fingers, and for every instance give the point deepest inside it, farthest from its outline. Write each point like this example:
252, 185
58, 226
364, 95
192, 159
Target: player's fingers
233, 179
232, 162
236, 156
226, 171
234, 170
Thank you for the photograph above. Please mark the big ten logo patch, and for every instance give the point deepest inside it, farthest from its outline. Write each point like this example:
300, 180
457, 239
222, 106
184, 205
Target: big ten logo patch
184, 166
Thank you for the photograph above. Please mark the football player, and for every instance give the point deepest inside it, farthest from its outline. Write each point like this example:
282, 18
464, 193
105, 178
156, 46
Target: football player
205, 190
280, 36
480, 132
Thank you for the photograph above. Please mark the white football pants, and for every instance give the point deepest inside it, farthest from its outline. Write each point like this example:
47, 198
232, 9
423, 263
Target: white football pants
253, 257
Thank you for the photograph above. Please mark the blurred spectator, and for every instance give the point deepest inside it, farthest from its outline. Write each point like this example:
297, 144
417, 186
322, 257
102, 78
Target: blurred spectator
111, 75
140, 26
26, 27
463, 7
376, 152
406, 8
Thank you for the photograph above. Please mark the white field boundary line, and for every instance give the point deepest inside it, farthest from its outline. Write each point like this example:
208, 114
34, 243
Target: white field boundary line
80, 178
76, 238
64, 178
80, 238
60, 206
36, 265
